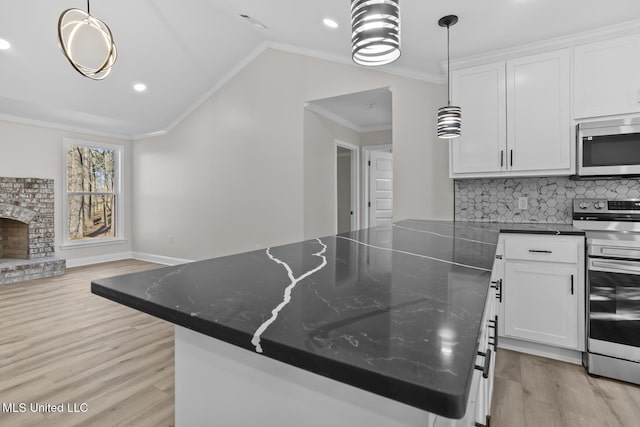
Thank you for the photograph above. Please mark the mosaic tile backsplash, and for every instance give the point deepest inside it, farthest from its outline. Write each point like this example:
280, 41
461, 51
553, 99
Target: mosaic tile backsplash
549, 199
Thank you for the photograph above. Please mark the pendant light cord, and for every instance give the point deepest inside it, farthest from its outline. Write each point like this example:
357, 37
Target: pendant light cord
448, 70
88, 8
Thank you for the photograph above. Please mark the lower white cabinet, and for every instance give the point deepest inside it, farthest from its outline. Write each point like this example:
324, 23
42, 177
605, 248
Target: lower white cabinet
541, 302
542, 288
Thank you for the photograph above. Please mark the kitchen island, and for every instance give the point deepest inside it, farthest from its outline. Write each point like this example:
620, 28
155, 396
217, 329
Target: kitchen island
378, 326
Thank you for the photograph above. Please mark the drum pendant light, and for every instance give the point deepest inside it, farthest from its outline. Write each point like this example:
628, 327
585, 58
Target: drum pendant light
449, 117
87, 43
375, 36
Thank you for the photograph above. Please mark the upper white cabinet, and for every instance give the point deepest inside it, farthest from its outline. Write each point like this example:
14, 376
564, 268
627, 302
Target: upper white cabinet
480, 93
607, 77
538, 113
516, 118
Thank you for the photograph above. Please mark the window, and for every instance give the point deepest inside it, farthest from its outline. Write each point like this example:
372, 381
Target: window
92, 193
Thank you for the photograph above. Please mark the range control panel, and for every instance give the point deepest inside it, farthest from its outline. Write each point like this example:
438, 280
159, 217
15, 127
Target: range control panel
594, 208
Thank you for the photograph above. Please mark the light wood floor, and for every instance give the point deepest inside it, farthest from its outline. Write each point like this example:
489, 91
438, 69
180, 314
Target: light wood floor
59, 343
533, 391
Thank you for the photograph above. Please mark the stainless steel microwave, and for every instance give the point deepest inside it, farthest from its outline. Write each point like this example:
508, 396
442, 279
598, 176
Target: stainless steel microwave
608, 148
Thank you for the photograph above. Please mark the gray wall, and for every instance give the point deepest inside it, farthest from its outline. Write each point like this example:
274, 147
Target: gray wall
238, 173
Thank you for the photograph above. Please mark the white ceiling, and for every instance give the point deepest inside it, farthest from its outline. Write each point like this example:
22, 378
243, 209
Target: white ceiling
183, 49
365, 111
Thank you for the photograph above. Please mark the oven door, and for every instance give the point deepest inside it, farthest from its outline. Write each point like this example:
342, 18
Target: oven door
614, 308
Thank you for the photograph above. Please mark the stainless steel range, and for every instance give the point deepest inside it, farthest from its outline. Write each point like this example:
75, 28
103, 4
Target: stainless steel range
613, 282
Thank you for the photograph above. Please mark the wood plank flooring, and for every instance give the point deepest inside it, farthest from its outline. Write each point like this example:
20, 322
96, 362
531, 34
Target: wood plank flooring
61, 344
532, 391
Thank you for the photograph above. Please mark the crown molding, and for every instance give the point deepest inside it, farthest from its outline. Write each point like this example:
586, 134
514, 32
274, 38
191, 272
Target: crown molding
59, 126
388, 69
331, 116
344, 122
208, 94
599, 34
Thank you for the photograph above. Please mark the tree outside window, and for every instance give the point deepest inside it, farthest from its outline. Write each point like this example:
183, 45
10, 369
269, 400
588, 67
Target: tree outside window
92, 192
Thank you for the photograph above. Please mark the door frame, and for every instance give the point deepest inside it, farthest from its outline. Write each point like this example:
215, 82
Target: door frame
355, 182
366, 176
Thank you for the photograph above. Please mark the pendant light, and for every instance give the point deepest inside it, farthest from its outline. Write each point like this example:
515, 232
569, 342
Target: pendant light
375, 36
87, 43
449, 117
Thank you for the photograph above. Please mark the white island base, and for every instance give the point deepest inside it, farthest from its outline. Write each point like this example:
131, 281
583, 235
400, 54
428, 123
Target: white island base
218, 384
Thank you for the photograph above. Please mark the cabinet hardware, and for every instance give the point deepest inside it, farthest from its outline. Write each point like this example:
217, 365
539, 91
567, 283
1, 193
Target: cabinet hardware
499, 293
538, 251
487, 363
498, 256
511, 157
501, 158
493, 324
572, 284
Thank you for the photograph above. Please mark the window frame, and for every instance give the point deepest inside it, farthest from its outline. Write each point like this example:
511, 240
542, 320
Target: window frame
118, 195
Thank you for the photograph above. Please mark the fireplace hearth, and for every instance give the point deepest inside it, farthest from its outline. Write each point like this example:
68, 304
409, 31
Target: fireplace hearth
27, 230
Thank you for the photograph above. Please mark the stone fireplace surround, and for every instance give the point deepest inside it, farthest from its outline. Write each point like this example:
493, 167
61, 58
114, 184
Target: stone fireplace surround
27, 230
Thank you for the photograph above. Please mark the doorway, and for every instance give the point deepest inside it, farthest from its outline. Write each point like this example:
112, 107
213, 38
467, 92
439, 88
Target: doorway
347, 186
336, 130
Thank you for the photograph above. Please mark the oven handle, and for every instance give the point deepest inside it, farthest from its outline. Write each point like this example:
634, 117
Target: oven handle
612, 265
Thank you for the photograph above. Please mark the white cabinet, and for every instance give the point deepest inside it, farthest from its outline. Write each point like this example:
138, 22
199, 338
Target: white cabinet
480, 93
541, 303
515, 118
607, 77
538, 113
487, 344
543, 290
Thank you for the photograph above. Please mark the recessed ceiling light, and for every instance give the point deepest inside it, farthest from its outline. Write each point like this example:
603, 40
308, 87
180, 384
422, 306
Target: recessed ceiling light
140, 87
4, 45
330, 23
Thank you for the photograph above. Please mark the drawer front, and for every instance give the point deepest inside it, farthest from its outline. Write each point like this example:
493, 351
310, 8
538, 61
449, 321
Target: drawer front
547, 249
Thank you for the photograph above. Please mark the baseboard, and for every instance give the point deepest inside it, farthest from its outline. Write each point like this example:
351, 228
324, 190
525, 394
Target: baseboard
550, 352
159, 259
99, 259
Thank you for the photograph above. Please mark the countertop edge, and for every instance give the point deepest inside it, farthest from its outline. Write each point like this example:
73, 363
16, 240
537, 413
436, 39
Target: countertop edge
546, 232
385, 386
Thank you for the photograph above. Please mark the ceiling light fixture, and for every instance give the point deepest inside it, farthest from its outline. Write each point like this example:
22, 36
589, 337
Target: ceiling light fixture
330, 23
87, 43
449, 117
4, 45
139, 87
375, 37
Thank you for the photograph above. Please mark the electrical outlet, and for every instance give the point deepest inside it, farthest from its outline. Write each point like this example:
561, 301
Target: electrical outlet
523, 203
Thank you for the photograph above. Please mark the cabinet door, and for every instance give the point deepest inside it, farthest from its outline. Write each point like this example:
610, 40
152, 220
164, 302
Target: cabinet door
540, 303
607, 77
480, 93
538, 114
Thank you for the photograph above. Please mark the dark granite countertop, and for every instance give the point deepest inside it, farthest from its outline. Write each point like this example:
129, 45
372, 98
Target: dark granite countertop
393, 310
554, 229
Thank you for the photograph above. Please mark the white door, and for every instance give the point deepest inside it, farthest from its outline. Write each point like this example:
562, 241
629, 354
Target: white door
541, 303
480, 93
538, 116
380, 203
